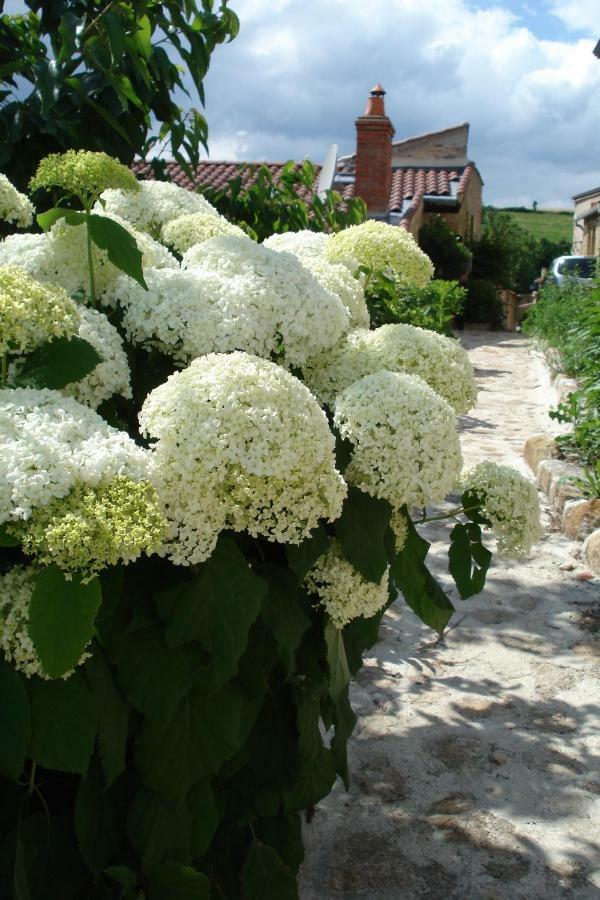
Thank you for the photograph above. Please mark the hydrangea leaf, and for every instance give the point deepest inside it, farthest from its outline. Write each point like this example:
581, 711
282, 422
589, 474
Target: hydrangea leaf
359, 635
468, 559
16, 721
344, 721
201, 803
339, 673
266, 877
158, 830
113, 715
315, 783
419, 588
61, 618
99, 818
216, 608
361, 530
284, 833
173, 755
174, 881
120, 245
302, 557
283, 612
60, 362
6, 538
63, 723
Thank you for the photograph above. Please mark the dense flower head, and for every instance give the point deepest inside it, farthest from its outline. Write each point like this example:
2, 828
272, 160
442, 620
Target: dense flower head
382, 248
510, 502
94, 527
32, 313
154, 205
16, 590
83, 173
304, 244
111, 376
342, 590
399, 525
274, 295
438, 360
60, 257
339, 281
15, 207
49, 443
194, 228
240, 443
406, 447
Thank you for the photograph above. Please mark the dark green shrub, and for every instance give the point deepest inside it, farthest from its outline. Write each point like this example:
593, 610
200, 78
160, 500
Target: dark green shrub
434, 306
450, 257
483, 305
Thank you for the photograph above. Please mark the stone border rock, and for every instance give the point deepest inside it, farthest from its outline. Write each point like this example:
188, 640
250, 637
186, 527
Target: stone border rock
577, 517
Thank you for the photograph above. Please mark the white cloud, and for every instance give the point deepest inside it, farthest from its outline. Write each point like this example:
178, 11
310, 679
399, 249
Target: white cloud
578, 15
299, 73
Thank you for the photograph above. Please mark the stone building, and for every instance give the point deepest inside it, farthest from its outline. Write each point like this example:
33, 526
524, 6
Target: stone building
586, 227
402, 182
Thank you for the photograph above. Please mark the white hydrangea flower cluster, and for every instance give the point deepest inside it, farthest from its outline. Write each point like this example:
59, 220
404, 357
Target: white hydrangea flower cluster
240, 443
385, 248
406, 448
399, 525
60, 257
15, 207
111, 376
342, 590
510, 502
16, 590
303, 244
32, 313
339, 281
155, 205
49, 443
194, 228
274, 299
438, 360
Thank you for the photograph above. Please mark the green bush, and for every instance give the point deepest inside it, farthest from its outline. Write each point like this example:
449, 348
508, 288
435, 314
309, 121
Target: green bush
434, 306
482, 304
565, 322
271, 207
450, 257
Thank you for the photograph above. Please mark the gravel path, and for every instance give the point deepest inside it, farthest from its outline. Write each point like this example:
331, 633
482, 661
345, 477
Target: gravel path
476, 762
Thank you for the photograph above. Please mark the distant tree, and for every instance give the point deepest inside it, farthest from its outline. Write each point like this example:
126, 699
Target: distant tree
103, 75
450, 257
535, 205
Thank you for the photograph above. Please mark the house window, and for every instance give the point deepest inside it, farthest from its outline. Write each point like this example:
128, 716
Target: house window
590, 244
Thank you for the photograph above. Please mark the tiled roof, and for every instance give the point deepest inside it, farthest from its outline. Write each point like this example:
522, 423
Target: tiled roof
216, 174
409, 184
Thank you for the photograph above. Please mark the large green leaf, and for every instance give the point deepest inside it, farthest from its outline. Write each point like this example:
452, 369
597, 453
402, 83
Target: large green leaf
302, 557
60, 362
153, 677
216, 608
359, 635
158, 830
174, 881
266, 877
419, 588
468, 559
120, 245
361, 531
15, 721
284, 833
308, 717
63, 723
173, 755
47, 219
205, 817
344, 721
112, 712
61, 618
283, 612
6, 539
99, 819
316, 781
339, 673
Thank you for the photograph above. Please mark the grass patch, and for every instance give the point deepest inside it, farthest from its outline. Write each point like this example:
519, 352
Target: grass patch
554, 226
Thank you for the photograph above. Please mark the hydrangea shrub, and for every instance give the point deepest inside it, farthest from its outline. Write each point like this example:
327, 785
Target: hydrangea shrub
210, 491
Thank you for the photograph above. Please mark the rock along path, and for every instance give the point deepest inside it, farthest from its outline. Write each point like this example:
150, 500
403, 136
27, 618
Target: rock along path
475, 763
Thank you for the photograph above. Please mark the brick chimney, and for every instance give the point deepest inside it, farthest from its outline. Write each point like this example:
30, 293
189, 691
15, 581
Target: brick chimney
374, 132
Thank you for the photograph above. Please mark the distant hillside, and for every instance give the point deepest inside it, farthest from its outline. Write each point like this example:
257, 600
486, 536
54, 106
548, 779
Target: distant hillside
554, 225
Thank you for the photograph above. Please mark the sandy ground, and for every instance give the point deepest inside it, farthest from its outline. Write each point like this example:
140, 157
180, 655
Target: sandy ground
476, 761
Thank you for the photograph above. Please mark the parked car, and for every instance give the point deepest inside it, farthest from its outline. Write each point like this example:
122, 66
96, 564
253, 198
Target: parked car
582, 269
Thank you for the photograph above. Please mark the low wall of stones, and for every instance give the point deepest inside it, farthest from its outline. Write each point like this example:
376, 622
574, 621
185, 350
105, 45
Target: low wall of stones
577, 517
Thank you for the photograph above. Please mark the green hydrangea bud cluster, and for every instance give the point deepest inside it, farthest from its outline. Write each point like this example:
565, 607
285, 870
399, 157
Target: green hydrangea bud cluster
84, 174
32, 313
94, 527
